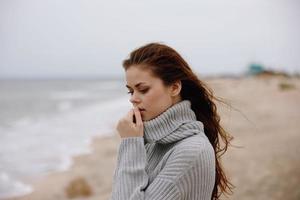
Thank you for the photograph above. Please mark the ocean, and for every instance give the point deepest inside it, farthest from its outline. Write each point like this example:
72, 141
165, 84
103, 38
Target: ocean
43, 123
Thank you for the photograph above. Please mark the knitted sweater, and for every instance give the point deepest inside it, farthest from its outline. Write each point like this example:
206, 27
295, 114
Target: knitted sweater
174, 160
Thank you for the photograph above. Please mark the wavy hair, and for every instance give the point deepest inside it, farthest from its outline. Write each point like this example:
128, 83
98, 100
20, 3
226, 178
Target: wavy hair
167, 64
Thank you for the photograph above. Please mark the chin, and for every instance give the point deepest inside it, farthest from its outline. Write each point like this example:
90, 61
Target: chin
144, 119
147, 118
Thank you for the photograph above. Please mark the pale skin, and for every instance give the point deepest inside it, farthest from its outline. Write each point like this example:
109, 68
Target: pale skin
148, 94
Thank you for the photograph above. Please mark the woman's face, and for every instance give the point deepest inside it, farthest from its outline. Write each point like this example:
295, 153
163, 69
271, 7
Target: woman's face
149, 93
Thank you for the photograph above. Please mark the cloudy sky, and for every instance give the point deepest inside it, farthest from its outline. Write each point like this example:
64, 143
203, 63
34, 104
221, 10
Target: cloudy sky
77, 38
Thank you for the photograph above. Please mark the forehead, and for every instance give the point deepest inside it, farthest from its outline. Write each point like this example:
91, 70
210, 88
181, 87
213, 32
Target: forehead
135, 75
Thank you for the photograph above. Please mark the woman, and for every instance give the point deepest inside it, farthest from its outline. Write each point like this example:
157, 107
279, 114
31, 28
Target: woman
170, 146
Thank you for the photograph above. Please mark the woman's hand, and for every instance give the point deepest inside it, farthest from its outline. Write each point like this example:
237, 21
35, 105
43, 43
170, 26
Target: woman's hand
127, 128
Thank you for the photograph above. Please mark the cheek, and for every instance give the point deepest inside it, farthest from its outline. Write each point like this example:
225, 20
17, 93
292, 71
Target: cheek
155, 104
156, 99
153, 96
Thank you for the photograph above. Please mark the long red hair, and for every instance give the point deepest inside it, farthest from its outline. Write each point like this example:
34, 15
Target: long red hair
169, 66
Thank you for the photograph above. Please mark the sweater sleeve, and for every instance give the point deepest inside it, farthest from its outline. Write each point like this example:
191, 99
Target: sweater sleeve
188, 174
131, 180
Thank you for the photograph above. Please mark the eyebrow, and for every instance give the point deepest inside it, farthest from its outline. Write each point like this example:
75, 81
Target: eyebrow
136, 85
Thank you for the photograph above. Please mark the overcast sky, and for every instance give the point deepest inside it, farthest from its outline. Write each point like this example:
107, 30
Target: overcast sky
77, 38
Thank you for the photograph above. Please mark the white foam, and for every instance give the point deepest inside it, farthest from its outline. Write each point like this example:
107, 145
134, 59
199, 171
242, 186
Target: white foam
68, 95
12, 188
64, 106
66, 163
25, 121
47, 144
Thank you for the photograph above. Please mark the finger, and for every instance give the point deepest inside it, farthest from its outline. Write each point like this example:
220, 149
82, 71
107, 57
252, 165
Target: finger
138, 116
130, 114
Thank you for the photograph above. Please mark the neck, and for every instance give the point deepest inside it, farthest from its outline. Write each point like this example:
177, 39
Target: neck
177, 122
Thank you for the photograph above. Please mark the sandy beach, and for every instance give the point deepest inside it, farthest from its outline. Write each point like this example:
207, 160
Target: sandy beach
263, 162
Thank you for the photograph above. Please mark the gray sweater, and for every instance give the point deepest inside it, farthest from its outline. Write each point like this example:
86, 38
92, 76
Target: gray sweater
173, 160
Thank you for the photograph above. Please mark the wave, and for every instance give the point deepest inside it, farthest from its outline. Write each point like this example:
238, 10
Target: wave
37, 147
10, 187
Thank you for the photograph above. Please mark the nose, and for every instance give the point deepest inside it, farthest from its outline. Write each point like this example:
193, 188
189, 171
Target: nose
134, 99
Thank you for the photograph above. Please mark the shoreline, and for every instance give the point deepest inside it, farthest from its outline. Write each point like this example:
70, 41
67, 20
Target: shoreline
54, 184
262, 164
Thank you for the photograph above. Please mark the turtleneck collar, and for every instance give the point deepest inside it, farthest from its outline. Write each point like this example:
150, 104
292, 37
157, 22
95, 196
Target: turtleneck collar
177, 122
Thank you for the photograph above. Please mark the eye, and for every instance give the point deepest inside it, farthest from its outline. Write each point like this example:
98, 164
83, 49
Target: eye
144, 91
141, 91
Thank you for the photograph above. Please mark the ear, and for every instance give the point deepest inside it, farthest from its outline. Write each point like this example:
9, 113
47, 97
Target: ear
176, 88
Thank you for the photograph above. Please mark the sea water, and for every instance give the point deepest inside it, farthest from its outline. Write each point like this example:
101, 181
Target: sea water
43, 123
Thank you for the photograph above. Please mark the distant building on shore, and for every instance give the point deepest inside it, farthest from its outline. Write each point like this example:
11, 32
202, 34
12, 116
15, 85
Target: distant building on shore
256, 69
